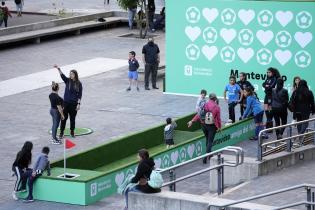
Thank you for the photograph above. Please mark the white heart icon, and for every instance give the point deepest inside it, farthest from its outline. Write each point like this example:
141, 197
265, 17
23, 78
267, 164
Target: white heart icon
264, 36
192, 32
209, 52
210, 14
246, 16
174, 157
245, 54
191, 150
119, 178
303, 39
284, 18
158, 163
283, 56
228, 35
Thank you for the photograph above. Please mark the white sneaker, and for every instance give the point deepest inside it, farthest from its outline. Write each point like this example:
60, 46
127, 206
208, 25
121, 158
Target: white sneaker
14, 196
293, 121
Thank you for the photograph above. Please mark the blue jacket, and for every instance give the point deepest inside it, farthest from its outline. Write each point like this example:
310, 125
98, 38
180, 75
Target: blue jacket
71, 94
253, 105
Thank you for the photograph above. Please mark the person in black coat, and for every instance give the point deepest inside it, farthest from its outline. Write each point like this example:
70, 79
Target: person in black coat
302, 100
145, 167
270, 83
279, 104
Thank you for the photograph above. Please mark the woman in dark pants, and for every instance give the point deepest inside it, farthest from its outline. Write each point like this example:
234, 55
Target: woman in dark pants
72, 99
279, 104
270, 83
56, 111
303, 103
20, 168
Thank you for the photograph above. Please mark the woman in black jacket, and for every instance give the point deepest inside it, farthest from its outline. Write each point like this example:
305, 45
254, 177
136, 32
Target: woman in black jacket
303, 102
145, 167
20, 168
279, 104
270, 83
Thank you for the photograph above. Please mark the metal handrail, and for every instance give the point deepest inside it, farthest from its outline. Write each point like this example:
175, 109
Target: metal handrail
238, 150
239, 159
260, 140
306, 186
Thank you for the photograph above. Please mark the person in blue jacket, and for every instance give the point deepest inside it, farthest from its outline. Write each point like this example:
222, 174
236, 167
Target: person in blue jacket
253, 105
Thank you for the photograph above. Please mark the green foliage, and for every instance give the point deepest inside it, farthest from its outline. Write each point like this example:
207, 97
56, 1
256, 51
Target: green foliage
125, 4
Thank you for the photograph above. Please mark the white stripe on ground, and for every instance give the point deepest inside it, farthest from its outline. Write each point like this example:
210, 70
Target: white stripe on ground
44, 78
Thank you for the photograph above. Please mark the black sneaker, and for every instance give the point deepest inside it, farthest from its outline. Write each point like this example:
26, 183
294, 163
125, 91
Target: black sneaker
61, 135
138, 89
146, 88
28, 200
128, 89
155, 87
72, 134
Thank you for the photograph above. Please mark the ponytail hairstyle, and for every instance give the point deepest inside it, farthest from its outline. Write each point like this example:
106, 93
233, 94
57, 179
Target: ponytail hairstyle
275, 72
249, 90
54, 86
76, 82
144, 154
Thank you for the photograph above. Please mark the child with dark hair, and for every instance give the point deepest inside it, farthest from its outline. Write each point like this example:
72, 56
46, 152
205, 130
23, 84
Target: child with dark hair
133, 70
20, 168
169, 132
41, 164
201, 100
235, 95
4, 14
56, 111
253, 106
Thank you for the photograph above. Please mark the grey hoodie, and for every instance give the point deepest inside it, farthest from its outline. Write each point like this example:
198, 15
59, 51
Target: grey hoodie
169, 130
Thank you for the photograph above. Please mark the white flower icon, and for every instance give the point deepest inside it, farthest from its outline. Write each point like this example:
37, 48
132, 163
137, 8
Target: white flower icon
228, 16
303, 59
264, 56
210, 35
283, 39
265, 18
304, 20
193, 15
227, 54
192, 52
246, 37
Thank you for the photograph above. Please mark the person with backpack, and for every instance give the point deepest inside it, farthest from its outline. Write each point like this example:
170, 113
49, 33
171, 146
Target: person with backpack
19, 7
209, 117
302, 105
20, 168
253, 106
72, 100
144, 176
279, 106
4, 14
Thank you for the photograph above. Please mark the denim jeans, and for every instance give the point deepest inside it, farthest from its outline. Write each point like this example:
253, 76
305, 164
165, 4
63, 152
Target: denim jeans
131, 16
133, 189
56, 120
31, 181
69, 109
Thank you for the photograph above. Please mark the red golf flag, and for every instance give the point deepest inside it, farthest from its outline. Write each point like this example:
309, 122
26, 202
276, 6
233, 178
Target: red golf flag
69, 144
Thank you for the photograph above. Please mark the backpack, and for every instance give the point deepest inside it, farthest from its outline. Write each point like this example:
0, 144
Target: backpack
209, 120
202, 111
156, 179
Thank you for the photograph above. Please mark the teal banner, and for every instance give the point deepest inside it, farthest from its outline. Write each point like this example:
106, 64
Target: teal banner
207, 41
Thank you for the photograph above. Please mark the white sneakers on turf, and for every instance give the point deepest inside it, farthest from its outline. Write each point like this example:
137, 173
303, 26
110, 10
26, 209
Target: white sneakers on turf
14, 196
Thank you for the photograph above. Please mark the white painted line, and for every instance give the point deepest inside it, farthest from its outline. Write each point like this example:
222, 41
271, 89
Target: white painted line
44, 78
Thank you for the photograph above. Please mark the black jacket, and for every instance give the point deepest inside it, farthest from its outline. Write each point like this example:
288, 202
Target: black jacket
280, 99
303, 103
144, 170
22, 161
271, 82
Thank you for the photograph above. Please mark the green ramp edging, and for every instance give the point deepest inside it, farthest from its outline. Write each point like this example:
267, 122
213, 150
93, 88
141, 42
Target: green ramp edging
99, 184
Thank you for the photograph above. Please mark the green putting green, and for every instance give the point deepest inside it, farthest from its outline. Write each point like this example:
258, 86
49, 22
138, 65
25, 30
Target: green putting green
77, 131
